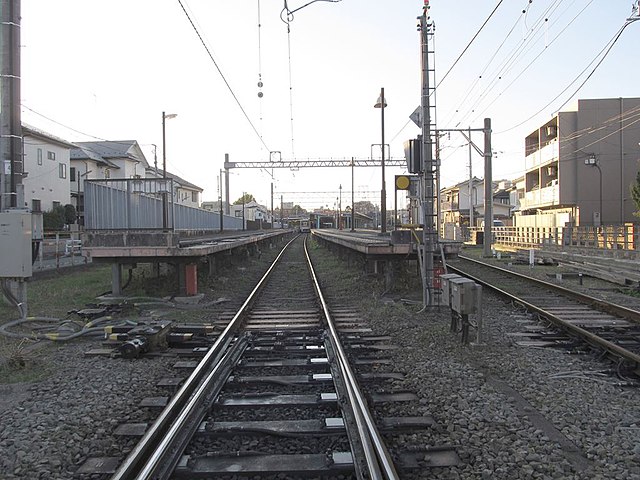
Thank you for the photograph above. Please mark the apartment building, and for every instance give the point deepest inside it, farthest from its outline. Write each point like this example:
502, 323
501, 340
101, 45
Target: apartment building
580, 165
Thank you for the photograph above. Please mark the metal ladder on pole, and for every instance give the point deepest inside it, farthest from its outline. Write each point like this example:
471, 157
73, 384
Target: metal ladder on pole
429, 247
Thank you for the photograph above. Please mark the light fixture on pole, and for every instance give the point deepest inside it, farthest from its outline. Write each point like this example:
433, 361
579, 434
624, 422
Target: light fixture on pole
165, 116
353, 204
381, 104
340, 210
592, 161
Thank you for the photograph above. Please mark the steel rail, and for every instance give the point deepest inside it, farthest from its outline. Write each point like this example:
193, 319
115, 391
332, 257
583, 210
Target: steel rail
628, 313
145, 451
381, 466
579, 331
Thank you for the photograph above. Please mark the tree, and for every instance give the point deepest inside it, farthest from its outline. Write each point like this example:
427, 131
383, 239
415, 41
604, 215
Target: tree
69, 214
54, 219
365, 207
635, 194
246, 198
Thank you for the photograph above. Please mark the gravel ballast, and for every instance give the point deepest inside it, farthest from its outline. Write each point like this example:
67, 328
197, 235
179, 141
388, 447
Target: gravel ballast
511, 412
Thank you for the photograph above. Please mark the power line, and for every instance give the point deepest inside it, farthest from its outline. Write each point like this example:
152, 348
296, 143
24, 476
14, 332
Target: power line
523, 71
609, 44
467, 47
222, 75
508, 62
477, 80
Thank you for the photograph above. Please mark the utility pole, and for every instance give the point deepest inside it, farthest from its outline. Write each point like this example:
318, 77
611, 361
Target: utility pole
281, 211
340, 210
226, 184
429, 234
470, 182
353, 204
221, 206
11, 168
488, 189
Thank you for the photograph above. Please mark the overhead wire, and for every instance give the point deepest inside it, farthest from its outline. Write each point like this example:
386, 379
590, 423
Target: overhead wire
523, 71
467, 47
479, 77
260, 83
253, 127
103, 146
606, 49
511, 58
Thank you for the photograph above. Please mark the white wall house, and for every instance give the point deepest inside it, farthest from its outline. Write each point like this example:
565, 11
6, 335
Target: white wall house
184, 192
253, 211
47, 170
122, 159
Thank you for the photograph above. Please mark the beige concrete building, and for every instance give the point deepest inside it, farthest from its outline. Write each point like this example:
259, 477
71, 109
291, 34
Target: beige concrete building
580, 165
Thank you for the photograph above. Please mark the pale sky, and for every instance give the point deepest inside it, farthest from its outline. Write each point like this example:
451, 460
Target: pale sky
108, 69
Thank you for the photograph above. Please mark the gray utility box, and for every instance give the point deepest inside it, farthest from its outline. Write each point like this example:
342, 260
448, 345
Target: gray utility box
463, 295
446, 289
15, 244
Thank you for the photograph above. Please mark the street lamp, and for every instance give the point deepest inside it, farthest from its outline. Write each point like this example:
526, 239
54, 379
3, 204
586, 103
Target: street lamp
165, 116
592, 161
381, 104
340, 210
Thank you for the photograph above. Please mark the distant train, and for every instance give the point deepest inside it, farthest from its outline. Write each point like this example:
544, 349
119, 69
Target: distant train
305, 226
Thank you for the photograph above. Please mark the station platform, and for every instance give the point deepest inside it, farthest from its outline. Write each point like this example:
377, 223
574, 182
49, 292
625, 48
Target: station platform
158, 246
185, 250
393, 244
370, 242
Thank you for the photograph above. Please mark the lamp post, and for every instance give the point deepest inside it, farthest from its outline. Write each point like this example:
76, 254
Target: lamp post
381, 104
165, 116
353, 204
340, 209
592, 161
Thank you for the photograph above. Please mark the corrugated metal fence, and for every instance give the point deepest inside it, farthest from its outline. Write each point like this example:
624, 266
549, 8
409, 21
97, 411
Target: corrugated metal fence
136, 204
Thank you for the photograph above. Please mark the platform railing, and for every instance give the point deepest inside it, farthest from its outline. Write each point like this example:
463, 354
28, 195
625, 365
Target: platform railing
606, 237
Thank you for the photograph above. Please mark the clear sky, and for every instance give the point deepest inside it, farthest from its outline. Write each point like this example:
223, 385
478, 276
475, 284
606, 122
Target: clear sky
98, 69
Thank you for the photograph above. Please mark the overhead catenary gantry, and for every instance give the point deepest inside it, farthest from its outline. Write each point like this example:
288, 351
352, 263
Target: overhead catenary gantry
319, 162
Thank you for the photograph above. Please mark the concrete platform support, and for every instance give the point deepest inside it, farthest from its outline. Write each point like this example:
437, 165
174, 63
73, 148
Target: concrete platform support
211, 260
116, 279
191, 278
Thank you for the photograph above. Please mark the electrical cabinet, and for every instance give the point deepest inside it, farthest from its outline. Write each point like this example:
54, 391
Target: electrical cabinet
446, 290
15, 244
463, 293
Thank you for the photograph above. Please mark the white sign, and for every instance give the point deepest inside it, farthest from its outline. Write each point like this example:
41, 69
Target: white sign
416, 116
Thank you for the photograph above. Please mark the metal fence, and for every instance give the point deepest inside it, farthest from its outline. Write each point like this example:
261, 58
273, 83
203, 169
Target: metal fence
137, 204
606, 237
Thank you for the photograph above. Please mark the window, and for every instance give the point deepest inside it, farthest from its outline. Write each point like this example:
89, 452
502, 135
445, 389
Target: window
36, 206
39, 156
194, 197
62, 170
55, 204
51, 155
72, 174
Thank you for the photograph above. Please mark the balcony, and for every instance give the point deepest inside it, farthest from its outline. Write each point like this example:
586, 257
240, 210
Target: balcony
543, 197
540, 157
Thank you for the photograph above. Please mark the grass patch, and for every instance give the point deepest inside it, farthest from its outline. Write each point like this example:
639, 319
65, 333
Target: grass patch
47, 297
18, 364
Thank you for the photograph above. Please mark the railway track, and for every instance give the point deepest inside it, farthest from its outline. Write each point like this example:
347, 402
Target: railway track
292, 386
606, 326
